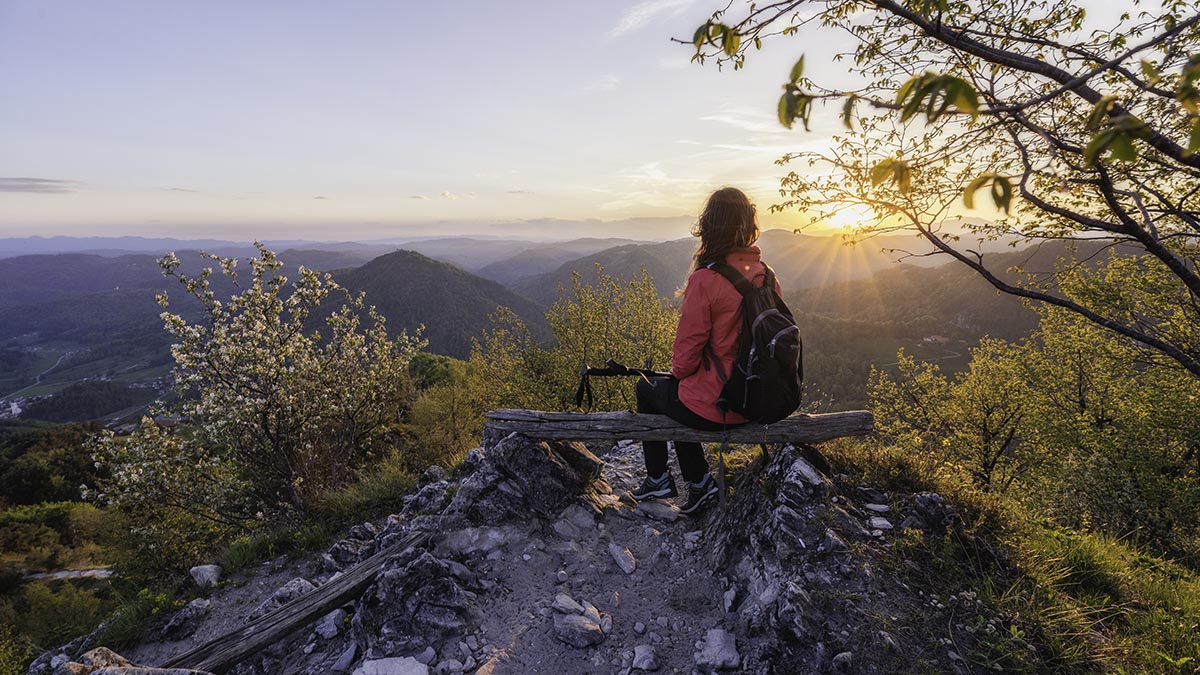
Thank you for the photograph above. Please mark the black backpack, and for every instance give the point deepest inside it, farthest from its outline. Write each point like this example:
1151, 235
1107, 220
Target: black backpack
765, 383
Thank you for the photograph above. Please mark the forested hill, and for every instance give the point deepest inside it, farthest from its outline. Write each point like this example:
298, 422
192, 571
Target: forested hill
453, 305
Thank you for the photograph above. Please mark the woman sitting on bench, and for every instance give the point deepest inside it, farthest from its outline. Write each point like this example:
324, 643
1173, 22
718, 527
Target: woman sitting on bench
706, 345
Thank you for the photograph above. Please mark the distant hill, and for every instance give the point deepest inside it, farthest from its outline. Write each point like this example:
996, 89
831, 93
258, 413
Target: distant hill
492, 258
411, 289
667, 262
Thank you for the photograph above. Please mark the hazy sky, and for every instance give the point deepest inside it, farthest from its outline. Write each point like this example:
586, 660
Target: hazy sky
336, 120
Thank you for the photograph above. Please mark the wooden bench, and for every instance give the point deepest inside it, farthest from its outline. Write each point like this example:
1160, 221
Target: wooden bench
617, 426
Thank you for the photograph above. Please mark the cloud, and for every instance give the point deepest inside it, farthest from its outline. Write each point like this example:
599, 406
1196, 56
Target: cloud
747, 119
606, 82
518, 192
446, 194
179, 189
320, 197
417, 197
38, 185
643, 13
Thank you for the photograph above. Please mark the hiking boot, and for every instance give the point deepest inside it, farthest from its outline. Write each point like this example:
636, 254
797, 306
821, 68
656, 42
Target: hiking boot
702, 495
656, 488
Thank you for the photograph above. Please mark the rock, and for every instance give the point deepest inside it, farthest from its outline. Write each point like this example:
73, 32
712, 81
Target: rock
639, 628
331, 624
644, 658
415, 601
393, 666
103, 657
561, 576
578, 631
566, 604
889, 641
933, 511
843, 661
658, 511
879, 523
473, 540
877, 508
187, 620
430, 498
832, 543
285, 594
718, 653
448, 667
729, 597
346, 660
427, 657
59, 660
803, 469
590, 611
579, 516
623, 557
606, 624
517, 476
433, 474
206, 576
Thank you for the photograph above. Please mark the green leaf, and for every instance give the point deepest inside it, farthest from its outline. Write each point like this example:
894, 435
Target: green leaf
903, 91
1100, 111
758, 43
1194, 141
1150, 72
797, 71
787, 108
848, 111
882, 170
1002, 193
966, 99
903, 176
700, 36
730, 40
973, 187
1122, 147
1099, 142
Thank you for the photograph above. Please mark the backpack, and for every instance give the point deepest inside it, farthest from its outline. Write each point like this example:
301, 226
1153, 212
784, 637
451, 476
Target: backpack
765, 383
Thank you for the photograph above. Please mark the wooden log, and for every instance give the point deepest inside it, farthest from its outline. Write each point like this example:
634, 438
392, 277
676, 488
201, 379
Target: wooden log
616, 426
223, 652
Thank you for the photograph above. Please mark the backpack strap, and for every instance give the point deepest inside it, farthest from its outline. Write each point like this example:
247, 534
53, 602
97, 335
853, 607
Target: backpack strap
733, 276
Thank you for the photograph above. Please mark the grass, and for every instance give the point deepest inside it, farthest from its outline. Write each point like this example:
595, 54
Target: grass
1052, 599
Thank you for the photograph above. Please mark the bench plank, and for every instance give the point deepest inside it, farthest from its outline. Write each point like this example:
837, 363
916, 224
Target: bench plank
565, 426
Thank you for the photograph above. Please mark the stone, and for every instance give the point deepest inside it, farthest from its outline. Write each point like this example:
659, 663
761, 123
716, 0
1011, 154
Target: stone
579, 516
566, 604
561, 576
877, 508
879, 523
517, 476
639, 628
590, 611
427, 657
187, 620
623, 557
103, 657
933, 512
843, 661
832, 543
578, 631
658, 511
285, 594
644, 658
392, 666
729, 597
718, 653
331, 624
206, 576
433, 474
346, 660
415, 601
473, 540
449, 667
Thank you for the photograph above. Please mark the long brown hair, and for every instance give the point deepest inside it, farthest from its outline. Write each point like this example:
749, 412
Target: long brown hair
728, 222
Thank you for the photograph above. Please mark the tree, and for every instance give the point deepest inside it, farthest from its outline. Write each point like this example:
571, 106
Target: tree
1095, 130
278, 405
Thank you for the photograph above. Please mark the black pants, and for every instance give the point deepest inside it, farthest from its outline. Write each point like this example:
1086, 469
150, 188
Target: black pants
660, 396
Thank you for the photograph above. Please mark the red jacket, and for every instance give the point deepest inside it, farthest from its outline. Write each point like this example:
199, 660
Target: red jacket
711, 314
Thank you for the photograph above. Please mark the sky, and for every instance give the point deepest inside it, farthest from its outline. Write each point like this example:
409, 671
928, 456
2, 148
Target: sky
371, 119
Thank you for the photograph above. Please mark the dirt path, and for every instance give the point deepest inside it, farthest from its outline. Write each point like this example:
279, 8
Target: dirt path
669, 592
